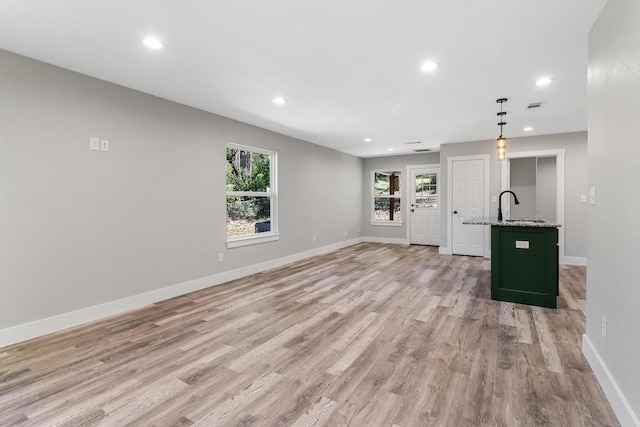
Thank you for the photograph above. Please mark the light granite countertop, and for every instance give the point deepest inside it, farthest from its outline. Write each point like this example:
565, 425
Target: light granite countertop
511, 222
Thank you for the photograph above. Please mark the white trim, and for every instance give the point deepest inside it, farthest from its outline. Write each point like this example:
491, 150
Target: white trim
272, 194
560, 186
444, 251
408, 183
575, 260
40, 327
387, 223
249, 148
253, 239
486, 229
388, 240
616, 398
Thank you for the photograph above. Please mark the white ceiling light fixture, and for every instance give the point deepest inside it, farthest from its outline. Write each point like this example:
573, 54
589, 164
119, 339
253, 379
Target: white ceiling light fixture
153, 43
543, 81
368, 140
389, 149
429, 66
279, 100
528, 129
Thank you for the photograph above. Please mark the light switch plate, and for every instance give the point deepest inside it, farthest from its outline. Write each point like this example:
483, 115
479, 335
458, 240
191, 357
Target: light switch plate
592, 195
94, 143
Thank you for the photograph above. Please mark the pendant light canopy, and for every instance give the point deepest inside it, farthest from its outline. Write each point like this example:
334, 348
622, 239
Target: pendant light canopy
501, 142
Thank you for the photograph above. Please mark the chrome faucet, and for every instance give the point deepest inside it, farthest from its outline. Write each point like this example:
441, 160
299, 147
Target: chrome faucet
500, 202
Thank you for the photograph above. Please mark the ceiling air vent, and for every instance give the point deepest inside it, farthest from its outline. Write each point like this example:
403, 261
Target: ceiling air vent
422, 150
412, 142
534, 105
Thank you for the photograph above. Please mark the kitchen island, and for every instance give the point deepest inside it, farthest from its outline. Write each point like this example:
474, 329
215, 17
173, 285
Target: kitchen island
524, 260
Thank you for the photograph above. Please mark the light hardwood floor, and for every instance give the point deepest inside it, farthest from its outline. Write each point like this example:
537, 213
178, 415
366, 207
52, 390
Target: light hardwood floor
371, 335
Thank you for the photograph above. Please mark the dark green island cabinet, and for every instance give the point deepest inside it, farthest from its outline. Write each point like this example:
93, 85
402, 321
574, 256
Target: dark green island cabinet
524, 264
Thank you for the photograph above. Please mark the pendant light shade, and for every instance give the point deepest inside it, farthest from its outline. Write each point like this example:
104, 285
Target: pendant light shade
501, 142
501, 146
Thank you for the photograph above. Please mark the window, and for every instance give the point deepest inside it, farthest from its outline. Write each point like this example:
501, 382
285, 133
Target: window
386, 198
251, 196
427, 191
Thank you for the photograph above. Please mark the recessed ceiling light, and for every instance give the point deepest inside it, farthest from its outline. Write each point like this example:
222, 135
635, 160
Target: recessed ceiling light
153, 43
368, 140
429, 66
279, 100
389, 149
528, 129
543, 81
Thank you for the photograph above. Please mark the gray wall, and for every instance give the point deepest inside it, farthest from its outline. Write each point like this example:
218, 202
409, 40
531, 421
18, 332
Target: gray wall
398, 163
80, 227
575, 145
613, 275
523, 183
546, 189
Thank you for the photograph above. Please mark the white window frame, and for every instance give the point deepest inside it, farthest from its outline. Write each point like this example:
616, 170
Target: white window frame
399, 196
269, 236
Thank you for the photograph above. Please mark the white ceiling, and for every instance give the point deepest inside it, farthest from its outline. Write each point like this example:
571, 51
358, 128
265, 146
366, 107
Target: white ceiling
349, 69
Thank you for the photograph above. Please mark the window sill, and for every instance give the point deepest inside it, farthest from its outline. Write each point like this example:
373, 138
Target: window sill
252, 240
387, 223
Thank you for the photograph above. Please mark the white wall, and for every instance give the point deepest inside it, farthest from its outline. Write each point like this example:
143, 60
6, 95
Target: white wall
80, 228
613, 276
575, 145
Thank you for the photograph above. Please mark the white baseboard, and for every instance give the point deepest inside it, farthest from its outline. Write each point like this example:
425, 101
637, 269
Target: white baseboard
390, 240
37, 328
575, 260
618, 402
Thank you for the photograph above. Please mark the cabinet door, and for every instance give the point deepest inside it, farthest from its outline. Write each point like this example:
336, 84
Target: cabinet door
524, 265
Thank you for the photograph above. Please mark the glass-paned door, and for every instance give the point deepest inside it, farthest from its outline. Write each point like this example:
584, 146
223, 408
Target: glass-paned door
425, 209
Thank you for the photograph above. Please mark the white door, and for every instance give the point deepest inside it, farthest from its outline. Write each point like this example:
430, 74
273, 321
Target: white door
467, 202
425, 206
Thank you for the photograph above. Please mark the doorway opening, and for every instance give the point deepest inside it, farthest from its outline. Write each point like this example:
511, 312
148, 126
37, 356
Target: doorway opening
538, 177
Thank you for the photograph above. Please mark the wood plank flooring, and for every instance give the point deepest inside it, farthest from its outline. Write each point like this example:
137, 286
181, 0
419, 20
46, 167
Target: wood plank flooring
370, 335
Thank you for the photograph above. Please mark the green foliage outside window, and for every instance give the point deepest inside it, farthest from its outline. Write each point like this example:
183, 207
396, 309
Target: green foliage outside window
248, 172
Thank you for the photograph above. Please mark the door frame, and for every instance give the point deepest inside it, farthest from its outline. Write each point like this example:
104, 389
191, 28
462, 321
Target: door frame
448, 250
560, 185
407, 206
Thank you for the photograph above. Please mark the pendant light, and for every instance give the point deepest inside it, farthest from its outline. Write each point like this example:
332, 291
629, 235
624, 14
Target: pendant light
501, 142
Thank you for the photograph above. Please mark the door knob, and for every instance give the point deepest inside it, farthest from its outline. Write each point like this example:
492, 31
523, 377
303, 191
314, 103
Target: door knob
455, 212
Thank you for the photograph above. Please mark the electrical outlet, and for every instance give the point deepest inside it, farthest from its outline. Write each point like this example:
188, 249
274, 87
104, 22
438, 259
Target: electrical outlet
346, 233
220, 257
583, 198
604, 328
104, 145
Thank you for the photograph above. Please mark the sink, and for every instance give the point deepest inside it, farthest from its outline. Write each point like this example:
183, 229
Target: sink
539, 221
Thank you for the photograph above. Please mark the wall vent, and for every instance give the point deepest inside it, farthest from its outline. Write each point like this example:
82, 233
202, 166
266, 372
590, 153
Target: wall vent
422, 150
534, 105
